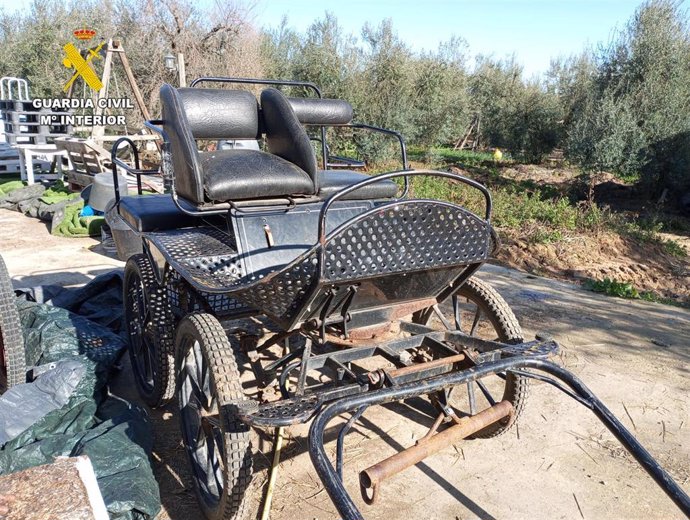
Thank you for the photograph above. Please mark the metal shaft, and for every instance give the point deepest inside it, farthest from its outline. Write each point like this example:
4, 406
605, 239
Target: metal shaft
411, 369
466, 426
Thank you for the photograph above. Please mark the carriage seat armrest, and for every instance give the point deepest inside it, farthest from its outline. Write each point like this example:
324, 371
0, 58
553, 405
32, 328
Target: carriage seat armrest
371, 128
156, 126
116, 162
166, 156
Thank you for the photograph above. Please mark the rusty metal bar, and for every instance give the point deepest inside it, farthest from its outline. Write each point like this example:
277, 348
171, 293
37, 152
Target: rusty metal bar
450, 360
466, 426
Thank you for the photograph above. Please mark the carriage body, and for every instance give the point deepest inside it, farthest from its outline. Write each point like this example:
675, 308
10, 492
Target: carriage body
274, 288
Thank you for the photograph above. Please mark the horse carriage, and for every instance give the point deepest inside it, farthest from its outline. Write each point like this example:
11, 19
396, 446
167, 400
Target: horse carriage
274, 289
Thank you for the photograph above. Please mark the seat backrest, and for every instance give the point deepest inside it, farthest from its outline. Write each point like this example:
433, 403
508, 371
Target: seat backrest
195, 113
320, 111
285, 135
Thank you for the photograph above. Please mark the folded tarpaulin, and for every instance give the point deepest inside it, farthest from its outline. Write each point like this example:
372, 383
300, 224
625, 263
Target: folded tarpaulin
55, 205
71, 412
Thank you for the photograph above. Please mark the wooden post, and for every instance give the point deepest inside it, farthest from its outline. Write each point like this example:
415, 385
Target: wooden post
133, 82
180, 70
135, 89
99, 131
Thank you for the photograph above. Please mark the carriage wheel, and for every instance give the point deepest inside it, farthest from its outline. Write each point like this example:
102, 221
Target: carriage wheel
483, 313
219, 445
150, 329
13, 358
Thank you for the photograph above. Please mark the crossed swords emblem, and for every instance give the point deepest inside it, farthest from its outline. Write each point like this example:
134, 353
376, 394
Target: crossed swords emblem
82, 66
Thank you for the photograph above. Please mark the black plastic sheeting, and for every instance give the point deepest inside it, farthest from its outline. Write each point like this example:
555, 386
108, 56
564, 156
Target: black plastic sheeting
71, 411
100, 300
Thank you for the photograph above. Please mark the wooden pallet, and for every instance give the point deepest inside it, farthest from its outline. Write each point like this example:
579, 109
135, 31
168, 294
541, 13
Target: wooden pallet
86, 159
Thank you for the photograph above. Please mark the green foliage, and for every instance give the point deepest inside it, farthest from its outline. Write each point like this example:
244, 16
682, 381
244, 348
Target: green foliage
627, 290
635, 118
536, 214
674, 248
431, 97
613, 288
447, 156
606, 136
515, 115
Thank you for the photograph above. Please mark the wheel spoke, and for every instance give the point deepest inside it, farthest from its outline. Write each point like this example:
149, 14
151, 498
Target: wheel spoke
151, 356
456, 312
442, 318
477, 316
216, 459
486, 392
471, 398
194, 384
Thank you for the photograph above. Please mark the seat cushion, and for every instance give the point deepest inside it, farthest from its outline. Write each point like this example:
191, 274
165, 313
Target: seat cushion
332, 181
154, 213
250, 174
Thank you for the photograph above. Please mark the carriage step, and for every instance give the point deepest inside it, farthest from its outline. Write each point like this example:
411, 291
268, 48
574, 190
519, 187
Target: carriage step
285, 412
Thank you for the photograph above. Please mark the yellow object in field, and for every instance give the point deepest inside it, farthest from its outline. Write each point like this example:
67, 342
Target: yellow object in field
498, 155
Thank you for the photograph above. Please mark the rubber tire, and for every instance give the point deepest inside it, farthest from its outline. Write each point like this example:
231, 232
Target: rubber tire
238, 438
11, 336
506, 325
162, 334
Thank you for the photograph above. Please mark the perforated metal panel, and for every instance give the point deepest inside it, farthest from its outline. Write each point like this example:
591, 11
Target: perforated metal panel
208, 254
195, 242
378, 250
285, 293
412, 236
221, 304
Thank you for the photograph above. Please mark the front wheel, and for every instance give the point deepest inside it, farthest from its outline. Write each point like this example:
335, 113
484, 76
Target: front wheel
477, 309
150, 329
219, 445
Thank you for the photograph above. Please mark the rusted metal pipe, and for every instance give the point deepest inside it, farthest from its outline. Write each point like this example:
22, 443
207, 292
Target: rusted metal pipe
377, 377
466, 426
450, 360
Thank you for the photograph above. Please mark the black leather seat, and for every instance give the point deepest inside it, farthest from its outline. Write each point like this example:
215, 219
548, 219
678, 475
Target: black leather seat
251, 174
287, 170
203, 178
154, 213
332, 181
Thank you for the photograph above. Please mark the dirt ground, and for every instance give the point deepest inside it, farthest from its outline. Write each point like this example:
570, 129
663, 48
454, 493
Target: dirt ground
605, 255
559, 463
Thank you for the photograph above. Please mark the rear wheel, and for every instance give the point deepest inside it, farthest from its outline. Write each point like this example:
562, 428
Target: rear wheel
13, 369
150, 329
219, 445
477, 309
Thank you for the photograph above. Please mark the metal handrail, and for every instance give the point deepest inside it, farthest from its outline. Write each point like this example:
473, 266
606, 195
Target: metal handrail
274, 82
404, 173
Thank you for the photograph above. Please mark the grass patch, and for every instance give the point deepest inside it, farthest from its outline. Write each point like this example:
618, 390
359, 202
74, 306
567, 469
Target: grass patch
627, 290
674, 248
445, 156
611, 287
647, 231
540, 218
